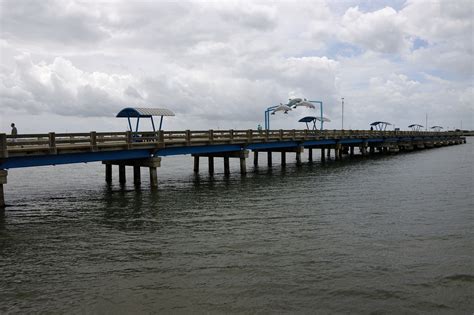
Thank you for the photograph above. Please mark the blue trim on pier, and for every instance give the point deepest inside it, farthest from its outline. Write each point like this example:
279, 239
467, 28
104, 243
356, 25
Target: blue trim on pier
319, 142
272, 145
198, 149
375, 140
350, 141
43, 160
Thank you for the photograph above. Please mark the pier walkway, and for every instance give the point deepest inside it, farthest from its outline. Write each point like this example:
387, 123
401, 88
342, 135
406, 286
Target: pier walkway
145, 149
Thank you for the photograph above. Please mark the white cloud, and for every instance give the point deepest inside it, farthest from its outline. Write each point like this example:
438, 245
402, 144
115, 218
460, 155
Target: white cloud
222, 63
380, 31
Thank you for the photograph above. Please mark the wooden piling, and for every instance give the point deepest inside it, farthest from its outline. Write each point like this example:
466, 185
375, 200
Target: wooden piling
211, 164
283, 158
3, 180
122, 175
136, 175
243, 166
226, 165
255, 158
108, 173
310, 154
153, 177
351, 150
329, 153
298, 157
269, 158
196, 164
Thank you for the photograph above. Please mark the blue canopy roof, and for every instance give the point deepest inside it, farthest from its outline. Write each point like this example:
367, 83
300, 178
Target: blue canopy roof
307, 119
380, 123
144, 112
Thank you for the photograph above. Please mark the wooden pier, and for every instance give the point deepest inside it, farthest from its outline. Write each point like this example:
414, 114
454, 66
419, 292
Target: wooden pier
145, 149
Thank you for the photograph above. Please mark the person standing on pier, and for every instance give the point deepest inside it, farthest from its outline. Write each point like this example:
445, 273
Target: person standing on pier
14, 131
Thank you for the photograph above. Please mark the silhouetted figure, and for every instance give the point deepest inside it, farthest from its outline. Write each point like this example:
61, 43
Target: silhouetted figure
371, 128
14, 131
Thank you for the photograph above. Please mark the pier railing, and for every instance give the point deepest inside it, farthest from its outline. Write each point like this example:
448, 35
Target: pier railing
54, 143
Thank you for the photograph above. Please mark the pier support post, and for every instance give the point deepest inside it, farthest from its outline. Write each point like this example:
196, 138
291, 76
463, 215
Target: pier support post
255, 158
196, 164
372, 149
269, 159
211, 164
137, 175
310, 154
122, 176
323, 155
226, 165
3, 180
351, 150
243, 166
108, 173
337, 152
152, 163
153, 177
283, 158
298, 157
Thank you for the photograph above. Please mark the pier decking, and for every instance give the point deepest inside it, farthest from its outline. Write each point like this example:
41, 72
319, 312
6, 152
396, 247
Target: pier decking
145, 149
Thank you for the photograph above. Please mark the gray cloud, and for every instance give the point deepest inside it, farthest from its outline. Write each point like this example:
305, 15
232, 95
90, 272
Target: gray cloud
225, 62
53, 21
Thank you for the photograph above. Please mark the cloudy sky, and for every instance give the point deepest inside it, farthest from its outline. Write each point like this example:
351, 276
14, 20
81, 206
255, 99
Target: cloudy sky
72, 65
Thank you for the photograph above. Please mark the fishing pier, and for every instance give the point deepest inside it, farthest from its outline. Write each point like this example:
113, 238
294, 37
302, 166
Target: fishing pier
145, 149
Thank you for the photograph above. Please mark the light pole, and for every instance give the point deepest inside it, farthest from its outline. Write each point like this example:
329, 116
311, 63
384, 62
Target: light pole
342, 98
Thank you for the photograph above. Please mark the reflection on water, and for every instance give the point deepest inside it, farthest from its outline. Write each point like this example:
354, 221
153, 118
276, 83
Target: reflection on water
384, 234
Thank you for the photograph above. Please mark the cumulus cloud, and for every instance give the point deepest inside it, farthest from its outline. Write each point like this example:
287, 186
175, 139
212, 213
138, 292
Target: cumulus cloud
63, 89
380, 31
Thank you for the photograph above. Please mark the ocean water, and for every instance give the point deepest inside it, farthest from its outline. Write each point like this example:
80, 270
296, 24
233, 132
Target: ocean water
383, 234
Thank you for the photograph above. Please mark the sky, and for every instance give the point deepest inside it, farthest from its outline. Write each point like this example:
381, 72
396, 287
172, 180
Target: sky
71, 66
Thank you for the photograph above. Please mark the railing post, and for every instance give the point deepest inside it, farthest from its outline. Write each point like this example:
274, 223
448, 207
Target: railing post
161, 138
231, 135
249, 135
128, 139
52, 143
188, 137
93, 139
281, 134
211, 136
293, 134
3, 146
266, 134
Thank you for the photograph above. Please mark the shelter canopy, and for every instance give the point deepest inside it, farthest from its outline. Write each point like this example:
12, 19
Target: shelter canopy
313, 119
380, 125
141, 112
144, 112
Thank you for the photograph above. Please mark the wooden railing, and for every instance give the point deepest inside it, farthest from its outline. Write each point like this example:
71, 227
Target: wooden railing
29, 144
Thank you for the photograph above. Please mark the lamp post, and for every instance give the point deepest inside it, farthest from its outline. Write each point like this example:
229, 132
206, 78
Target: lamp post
342, 98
